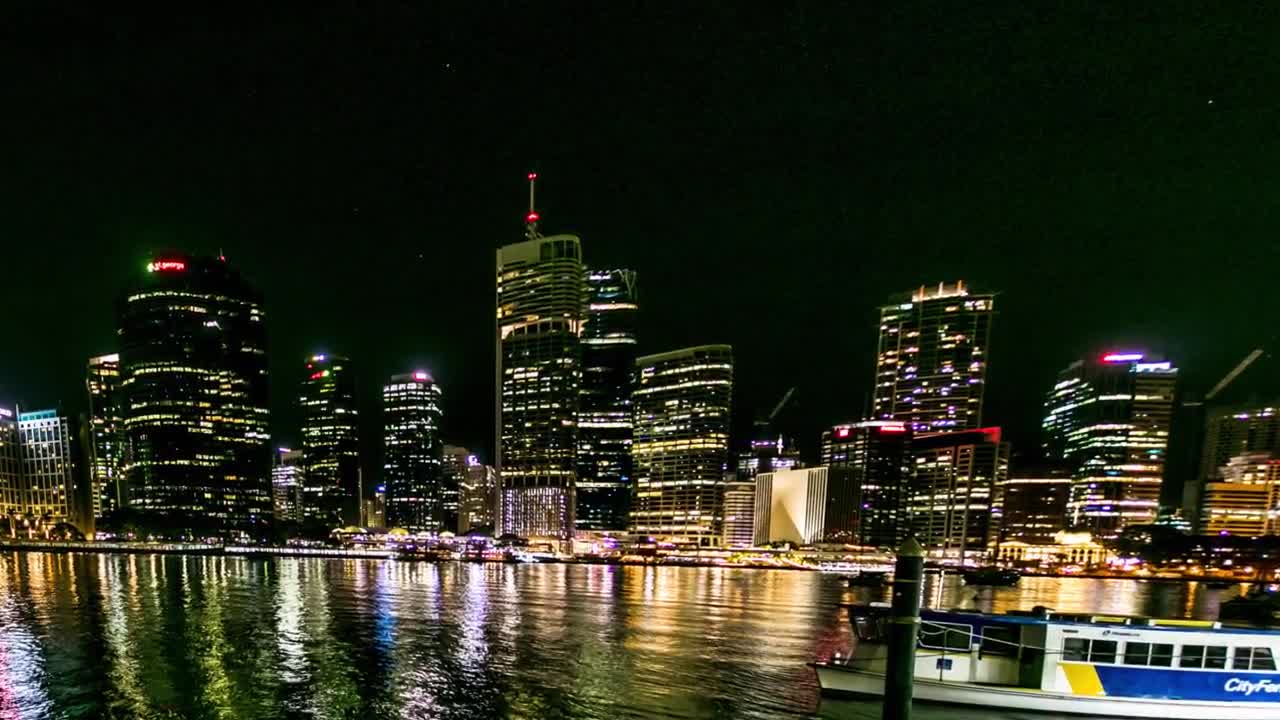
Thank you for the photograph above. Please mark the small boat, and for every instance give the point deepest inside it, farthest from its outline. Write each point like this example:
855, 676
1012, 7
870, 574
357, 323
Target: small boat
1107, 666
994, 576
1260, 606
867, 579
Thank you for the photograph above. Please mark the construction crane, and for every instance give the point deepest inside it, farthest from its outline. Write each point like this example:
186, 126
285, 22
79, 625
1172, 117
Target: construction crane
781, 403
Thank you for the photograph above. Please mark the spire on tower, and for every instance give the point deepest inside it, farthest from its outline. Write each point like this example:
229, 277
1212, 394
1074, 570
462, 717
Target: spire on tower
531, 220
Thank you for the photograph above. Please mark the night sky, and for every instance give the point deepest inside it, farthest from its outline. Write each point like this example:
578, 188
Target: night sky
773, 172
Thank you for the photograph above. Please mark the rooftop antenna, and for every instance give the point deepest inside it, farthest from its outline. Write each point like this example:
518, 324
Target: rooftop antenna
531, 220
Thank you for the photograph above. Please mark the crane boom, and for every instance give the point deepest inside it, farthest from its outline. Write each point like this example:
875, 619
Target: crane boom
778, 408
1235, 372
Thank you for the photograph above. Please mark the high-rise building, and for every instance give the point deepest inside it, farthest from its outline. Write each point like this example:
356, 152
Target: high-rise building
106, 435
1107, 419
604, 401
1244, 498
739, 514
459, 464
48, 478
288, 481
952, 484
1229, 432
193, 369
931, 364
412, 457
330, 441
477, 489
375, 508
681, 445
767, 453
1031, 504
11, 501
541, 296
877, 455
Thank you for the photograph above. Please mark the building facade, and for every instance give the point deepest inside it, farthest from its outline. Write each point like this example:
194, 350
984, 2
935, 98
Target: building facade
106, 436
877, 455
412, 469
48, 489
604, 401
739, 514
12, 504
332, 493
541, 298
454, 468
682, 403
1230, 432
1245, 497
952, 485
1031, 504
288, 486
1107, 419
193, 369
791, 506
931, 362
477, 489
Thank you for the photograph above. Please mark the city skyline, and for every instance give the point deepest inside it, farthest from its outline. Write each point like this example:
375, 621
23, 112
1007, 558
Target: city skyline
341, 215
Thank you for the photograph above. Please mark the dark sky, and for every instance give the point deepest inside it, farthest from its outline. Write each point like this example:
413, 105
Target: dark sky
772, 171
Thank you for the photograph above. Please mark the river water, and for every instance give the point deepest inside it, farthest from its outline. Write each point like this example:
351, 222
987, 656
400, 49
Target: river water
152, 636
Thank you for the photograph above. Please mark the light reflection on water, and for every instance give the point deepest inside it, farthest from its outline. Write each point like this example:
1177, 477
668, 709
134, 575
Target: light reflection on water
87, 636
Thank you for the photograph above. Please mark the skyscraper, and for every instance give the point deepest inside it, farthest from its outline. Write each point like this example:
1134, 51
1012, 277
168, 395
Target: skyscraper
877, 454
682, 401
48, 479
1107, 419
1031, 504
11, 501
951, 490
106, 435
1229, 432
739, 514
540, 301
288, 478
1244, 498
193, 369
330, 441
457, 463
477, 486
604, 412
931, 365
412, 465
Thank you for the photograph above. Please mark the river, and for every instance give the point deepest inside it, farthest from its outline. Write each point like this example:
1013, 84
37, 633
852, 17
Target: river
164, 636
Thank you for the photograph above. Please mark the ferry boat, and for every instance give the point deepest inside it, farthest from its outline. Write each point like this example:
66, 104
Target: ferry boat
1109, 666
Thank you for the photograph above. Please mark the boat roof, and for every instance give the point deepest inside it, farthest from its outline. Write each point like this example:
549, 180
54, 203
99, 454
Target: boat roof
1085, 619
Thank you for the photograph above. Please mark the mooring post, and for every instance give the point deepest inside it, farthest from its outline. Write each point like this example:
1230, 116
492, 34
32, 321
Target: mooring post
904, 625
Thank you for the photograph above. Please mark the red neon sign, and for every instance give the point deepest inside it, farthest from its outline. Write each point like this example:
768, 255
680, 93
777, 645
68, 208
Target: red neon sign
842, 432
167, 266
893, 428
1121, 357
317, 375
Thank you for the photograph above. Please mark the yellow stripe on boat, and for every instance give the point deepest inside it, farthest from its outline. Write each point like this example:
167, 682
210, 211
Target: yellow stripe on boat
1178, 622
1083, 678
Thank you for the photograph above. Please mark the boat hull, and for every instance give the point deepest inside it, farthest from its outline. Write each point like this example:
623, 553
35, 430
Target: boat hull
839, 679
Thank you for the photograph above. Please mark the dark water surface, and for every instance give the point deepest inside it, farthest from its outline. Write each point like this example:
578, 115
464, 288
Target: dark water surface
150, 636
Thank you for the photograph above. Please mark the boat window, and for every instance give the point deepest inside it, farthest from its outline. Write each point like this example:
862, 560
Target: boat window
1137, 653
1102, 651
1215, 657
1140, 653
1162, 655
1263, 659
1192, 656
946, 636
1075, 649
1258, 658
999, 640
